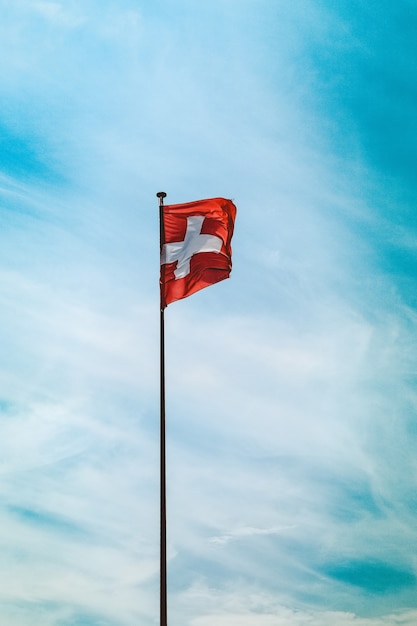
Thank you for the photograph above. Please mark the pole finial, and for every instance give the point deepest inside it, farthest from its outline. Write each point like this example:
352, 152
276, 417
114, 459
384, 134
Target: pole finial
161, 194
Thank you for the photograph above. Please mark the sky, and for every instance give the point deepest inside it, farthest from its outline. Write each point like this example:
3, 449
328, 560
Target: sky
291, 387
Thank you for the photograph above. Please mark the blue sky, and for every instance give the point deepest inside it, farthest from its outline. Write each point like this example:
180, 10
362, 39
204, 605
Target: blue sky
291, 387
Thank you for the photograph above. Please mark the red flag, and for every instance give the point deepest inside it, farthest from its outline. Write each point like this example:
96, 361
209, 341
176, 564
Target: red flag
196, 248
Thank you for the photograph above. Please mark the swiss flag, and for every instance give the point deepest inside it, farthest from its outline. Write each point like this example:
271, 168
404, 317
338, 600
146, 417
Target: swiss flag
196, 246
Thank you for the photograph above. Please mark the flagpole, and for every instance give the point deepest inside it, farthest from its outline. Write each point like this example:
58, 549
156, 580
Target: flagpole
163, 519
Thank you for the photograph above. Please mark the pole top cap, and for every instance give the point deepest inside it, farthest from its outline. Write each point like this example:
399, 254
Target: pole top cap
161, 194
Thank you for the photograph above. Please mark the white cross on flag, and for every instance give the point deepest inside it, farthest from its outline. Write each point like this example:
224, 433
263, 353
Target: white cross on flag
196, 248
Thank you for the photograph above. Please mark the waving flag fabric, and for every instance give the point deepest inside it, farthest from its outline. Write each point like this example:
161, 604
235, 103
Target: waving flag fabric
196, 248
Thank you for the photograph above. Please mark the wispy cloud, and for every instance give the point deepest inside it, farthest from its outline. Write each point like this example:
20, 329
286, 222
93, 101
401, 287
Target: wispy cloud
290, 388
249, 608
246, 531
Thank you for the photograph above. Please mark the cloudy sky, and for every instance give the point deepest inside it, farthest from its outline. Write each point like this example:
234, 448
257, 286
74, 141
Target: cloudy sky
291, 387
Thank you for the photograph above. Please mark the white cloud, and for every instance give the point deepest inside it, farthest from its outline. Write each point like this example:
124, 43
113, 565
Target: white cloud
246, 531
246, 608
289, 393
298, 618
62, 15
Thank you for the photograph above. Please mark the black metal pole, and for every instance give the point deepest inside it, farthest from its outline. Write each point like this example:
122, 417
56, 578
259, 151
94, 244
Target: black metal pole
163, 520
